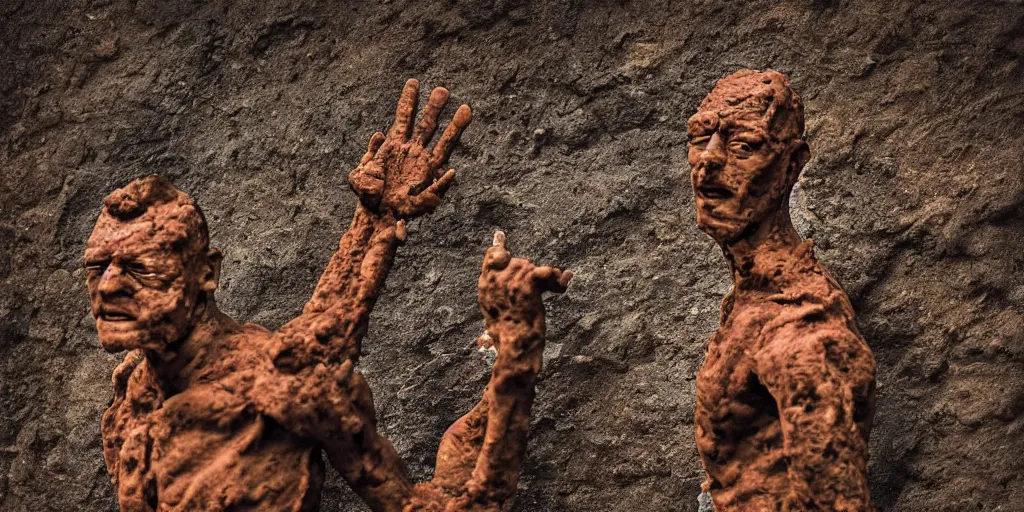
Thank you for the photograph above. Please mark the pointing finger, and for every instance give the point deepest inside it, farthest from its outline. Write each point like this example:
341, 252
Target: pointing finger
497, 256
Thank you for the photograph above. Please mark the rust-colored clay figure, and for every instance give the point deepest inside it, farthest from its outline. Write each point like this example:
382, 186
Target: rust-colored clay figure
785, 397
213, 415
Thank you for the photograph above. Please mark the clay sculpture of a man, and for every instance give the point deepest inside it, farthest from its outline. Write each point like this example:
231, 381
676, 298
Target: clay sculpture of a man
212, 415
785, 397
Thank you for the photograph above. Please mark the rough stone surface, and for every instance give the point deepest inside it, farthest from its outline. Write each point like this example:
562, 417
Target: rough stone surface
914, 197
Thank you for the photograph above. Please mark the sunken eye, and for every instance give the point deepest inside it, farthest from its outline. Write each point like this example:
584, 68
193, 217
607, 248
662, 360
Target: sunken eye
699, 141
743, 148
96, 267
139, 269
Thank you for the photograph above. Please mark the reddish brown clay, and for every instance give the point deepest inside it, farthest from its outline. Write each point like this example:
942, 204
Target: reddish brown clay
212, 415
785, 397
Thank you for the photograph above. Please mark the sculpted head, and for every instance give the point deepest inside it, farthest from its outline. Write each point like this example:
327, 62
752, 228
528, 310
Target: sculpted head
150, 270
746, 151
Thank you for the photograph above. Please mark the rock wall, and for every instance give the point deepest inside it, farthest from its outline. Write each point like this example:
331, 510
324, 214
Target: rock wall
914, 196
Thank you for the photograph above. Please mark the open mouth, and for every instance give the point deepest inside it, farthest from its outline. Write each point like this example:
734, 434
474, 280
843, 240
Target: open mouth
116, 316
714, 192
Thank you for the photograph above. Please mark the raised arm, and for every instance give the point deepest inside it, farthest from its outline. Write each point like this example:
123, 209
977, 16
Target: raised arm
398, 178
480, 455
316, 391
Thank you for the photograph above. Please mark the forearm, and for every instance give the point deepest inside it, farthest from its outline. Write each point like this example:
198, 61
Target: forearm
480, 455
509, 397
357, 270
363, 457
511, 392
376, 473
338, 313
334, 321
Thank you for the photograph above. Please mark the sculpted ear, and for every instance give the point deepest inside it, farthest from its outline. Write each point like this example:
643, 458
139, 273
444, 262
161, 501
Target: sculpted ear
211, 271
797, 160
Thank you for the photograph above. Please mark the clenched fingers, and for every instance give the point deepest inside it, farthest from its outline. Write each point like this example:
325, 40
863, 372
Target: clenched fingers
551, 279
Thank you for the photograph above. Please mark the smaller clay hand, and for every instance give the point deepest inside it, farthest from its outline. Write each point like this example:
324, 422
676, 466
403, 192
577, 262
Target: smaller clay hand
510, 289
398, 173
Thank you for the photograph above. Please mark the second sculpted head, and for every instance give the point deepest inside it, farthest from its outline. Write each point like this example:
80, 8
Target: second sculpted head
149, 268
746, 151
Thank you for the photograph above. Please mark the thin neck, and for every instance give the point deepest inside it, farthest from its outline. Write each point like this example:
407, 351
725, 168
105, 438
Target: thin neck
772, 241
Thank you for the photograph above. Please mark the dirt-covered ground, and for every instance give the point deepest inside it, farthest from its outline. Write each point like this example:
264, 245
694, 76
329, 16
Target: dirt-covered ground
915, 197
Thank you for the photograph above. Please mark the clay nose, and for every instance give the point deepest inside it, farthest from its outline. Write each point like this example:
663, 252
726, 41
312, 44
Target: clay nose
714, 143
112, 281
712, 158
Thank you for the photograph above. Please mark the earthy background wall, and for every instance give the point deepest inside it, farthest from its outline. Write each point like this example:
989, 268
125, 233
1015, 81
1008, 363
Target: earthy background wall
915, 197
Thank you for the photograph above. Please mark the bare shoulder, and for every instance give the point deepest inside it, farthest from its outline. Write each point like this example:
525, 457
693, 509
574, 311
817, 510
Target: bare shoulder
829, 343
312, 339
253, 336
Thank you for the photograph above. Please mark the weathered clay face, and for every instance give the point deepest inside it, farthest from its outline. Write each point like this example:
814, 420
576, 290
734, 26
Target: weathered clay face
144, 282
741, 152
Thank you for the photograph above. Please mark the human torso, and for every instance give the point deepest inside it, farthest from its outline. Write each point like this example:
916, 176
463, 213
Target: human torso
209, 447
737, 422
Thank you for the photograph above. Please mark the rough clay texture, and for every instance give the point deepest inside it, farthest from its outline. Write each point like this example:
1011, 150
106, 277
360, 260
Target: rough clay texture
914, 198
785, 396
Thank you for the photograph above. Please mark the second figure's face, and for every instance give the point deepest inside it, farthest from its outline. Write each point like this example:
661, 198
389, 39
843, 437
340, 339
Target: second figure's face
738, 172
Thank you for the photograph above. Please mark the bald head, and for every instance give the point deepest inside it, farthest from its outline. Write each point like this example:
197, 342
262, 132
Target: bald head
766, 93
746, 151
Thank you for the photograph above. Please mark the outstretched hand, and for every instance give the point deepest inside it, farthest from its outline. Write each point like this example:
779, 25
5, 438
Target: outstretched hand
398, 173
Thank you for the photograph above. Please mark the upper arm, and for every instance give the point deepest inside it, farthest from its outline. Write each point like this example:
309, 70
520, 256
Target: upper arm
312, 338
821, 377
819, 374
331, 405
366, 459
